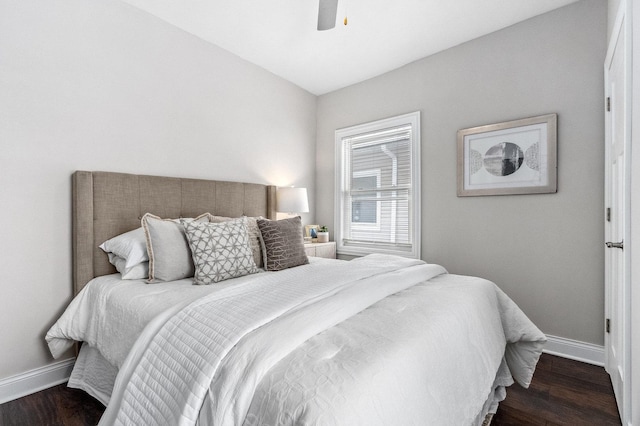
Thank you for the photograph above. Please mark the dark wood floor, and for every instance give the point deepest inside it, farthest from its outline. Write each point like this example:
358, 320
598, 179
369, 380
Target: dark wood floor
56, 406
563, 392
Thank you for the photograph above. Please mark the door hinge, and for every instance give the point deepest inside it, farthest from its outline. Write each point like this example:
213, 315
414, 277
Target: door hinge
608, 325
608, 214
608, 104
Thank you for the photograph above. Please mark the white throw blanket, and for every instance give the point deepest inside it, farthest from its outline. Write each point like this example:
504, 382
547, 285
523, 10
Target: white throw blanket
167, 374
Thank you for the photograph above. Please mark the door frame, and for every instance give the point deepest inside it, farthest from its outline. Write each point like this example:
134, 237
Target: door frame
634, 415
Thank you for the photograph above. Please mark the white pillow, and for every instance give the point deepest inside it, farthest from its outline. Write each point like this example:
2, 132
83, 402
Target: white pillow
169, 253
130, 246
135, 272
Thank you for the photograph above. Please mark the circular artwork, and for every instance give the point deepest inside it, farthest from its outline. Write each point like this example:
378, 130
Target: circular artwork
503, 159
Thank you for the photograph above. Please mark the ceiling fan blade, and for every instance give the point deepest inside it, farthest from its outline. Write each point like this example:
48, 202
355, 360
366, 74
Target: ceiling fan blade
327, 12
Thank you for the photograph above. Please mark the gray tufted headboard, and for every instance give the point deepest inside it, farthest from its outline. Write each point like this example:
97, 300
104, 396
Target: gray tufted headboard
107, 204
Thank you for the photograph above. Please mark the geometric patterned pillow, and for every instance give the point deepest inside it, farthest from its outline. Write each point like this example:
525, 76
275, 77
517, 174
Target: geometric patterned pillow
282, 243
220, 250
254, 234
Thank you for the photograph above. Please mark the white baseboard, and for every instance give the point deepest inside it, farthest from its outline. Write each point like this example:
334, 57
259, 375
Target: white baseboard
35, 380
574, 349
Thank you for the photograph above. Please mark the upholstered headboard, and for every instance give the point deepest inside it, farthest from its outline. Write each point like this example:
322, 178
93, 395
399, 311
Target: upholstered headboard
107, 204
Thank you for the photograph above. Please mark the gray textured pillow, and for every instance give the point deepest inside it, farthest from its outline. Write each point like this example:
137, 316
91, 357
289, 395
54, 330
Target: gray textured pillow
168, 248
220, 250
282, 243
254, 235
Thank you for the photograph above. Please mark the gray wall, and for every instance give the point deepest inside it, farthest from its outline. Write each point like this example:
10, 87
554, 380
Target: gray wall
545, 251
100, 85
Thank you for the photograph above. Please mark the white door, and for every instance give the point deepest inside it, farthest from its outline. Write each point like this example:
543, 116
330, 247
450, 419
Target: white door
617, 198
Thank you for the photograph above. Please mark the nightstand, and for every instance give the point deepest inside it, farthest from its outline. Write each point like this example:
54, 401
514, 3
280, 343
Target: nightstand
327, 250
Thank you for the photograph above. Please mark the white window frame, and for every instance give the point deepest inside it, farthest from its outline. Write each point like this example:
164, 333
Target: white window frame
412, 119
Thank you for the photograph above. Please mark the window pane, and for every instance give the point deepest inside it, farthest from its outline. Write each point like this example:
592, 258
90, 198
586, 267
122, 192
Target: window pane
392, 160
365, 182
390, 215
364, 212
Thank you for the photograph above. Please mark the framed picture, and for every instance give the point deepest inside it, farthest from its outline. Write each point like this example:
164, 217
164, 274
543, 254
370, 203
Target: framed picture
311, 231
514, 157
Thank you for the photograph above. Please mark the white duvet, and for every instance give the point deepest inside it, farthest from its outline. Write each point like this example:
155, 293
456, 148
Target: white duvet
381, 340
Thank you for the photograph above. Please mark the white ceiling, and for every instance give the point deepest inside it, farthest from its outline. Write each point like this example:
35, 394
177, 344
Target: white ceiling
281, 35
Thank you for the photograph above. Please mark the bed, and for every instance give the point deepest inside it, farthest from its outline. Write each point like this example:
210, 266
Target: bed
378, 340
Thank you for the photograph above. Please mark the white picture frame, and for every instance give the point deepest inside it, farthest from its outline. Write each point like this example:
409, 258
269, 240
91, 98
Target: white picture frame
311, 231
513, 157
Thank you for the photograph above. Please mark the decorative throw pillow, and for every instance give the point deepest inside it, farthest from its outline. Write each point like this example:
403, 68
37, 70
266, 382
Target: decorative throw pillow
130, 246
254, 235
254, 239
220, 250
282, 243
218, 219
168, 248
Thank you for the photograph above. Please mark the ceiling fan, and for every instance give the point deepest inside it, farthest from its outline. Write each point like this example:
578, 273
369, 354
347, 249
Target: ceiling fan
327, 12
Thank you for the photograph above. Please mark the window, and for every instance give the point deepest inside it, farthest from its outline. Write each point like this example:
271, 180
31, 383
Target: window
378, 187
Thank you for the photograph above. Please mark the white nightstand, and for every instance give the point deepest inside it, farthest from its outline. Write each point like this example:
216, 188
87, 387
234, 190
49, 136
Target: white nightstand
327, 250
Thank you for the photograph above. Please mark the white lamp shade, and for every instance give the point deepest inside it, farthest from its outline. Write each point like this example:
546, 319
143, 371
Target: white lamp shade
292, 200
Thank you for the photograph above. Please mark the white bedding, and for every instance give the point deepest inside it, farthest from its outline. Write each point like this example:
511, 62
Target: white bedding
429, 352
110, 313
